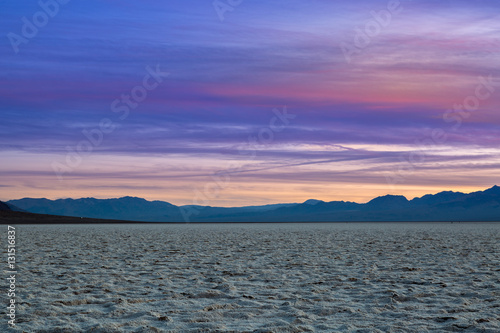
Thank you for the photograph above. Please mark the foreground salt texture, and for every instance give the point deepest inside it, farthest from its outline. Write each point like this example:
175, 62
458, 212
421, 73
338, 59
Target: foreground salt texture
357, 277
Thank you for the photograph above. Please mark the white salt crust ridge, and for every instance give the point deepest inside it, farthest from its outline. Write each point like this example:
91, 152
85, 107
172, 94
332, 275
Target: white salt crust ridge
356, 277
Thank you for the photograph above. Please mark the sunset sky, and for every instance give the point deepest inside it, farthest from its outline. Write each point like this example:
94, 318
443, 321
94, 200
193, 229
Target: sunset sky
264, 102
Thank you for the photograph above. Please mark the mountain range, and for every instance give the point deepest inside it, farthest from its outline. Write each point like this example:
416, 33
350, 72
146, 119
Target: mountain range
443, 206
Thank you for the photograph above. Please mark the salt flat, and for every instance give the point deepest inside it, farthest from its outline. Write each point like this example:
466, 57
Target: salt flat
356, 277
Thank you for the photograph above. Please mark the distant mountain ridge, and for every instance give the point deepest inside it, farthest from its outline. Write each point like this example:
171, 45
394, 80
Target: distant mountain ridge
125, 208
443, 206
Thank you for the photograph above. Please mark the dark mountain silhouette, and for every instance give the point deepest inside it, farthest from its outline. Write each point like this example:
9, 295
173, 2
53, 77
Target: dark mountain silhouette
9, 207
4, 206
444, 206
15, 217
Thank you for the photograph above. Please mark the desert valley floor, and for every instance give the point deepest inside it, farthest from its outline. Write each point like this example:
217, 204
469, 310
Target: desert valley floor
332, 277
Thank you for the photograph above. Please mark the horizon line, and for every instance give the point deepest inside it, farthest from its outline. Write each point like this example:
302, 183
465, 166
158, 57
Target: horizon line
268, 204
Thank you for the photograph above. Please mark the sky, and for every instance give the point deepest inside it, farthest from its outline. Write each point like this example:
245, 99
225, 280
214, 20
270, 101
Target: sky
233, 103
